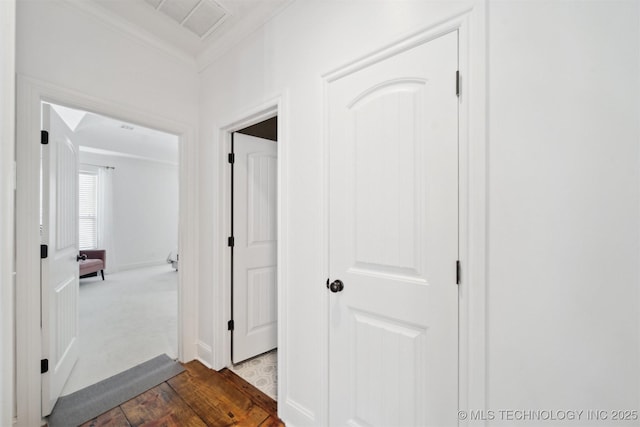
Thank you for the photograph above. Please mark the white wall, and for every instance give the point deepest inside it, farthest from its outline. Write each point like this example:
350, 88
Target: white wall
7, 141
563, 161
69, 47
145, 207
71, 53
562, 205
288, 58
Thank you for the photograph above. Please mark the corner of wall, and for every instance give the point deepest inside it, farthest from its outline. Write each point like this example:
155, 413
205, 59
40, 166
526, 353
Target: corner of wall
7, 186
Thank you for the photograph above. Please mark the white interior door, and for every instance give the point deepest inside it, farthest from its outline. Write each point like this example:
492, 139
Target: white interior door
254, 252
394, 240
59, 279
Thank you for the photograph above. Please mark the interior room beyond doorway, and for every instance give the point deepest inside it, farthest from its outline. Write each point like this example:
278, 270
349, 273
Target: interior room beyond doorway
130, 212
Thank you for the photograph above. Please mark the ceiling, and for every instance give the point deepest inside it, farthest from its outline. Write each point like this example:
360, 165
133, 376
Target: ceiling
198, 30
103, 135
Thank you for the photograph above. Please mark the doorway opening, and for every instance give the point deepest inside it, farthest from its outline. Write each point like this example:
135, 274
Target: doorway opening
126, 178
253, 254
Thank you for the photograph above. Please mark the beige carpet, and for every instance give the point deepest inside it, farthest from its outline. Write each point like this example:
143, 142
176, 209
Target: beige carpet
261, 372
127, 319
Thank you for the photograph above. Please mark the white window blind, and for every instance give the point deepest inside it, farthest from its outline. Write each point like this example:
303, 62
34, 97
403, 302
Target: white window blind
88, 220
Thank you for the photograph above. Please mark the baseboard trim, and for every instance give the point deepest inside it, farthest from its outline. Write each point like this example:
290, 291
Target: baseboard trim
204, 354
133, 266
294, 413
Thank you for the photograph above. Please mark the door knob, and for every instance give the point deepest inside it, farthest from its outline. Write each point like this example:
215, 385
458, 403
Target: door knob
336, 286
81, 257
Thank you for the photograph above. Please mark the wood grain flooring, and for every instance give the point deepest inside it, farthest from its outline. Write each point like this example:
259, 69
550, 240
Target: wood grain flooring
197, 397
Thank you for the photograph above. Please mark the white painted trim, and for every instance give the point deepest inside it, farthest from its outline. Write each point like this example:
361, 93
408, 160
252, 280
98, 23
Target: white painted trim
28, 346
283, 244
208, 54
302, 414
143, 264
221, 297
638, 183
226, 42
431, 32
7, 182
471, 26
31, 93
473, 380
325, 302
252, 116
205, 353
221, 293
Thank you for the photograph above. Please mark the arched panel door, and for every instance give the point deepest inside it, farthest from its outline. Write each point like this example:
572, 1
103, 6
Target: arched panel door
393, 194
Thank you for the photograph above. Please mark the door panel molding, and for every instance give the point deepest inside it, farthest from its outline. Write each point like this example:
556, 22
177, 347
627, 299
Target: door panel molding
260, 221
66, 158
408, 83
379, 335
256, 292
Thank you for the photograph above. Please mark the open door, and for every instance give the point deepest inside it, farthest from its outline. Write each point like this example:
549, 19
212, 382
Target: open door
59, 272
254, 247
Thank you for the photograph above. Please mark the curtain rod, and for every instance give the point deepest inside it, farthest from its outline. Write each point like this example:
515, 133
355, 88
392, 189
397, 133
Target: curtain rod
98, 166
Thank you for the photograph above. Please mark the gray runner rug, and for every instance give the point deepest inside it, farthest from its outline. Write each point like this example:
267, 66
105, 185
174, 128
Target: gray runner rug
86, 404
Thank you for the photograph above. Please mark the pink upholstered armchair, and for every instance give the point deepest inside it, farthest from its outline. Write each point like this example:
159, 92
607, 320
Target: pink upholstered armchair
96, 261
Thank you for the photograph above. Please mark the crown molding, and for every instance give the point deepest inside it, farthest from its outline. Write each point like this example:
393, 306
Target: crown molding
123, 26
242, 29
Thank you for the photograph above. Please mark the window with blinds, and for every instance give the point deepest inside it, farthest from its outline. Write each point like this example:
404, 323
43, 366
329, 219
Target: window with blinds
88, 207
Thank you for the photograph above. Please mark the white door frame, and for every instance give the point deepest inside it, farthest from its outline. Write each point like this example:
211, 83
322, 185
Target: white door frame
30, 94
7, 146
222, 298
471, 25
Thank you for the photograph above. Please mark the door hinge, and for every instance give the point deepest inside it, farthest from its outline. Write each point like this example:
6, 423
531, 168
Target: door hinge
231, 158
44, 137
458, 83
230, 325
44, 251
231, 242
458, 272
44, 366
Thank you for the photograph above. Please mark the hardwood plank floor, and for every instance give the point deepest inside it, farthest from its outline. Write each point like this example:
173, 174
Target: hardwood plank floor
256, 395
196, 397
